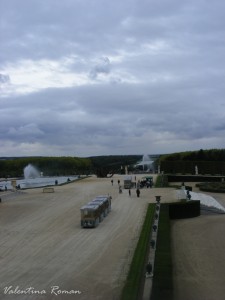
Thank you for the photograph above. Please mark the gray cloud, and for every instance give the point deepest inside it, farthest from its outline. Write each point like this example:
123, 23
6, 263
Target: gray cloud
87, 78
102, 67
4, 78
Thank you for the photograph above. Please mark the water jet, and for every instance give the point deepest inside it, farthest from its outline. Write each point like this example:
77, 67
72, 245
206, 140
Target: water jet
30, 172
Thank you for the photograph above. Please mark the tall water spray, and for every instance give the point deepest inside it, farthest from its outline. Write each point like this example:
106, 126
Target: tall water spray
146, 158
30, 172
146, 161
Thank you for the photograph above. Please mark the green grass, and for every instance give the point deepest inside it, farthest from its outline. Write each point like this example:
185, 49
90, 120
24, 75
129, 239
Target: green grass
163, 281
133, 284
161, 181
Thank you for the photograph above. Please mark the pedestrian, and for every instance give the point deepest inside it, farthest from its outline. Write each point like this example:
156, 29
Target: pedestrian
152, 243
154, 227
188, 195
118, 182
112, 181
149, 268
138, 193
129, 192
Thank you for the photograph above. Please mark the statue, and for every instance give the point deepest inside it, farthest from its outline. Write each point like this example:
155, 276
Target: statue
196, 170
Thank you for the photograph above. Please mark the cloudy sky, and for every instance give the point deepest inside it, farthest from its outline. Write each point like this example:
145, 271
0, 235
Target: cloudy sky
100, 77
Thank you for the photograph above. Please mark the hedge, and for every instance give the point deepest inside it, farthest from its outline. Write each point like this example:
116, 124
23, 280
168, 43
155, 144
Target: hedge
133, 287
162, 287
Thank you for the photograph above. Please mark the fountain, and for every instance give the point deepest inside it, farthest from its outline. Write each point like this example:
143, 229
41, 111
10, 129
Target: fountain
33, 178
30, 172
146, 161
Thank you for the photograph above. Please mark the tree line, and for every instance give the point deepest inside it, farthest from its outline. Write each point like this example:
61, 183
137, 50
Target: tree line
50, 166
207, 161
63, 166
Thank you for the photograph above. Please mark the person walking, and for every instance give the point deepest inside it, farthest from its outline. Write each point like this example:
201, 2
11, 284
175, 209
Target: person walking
120, 189
149, 268
138, 193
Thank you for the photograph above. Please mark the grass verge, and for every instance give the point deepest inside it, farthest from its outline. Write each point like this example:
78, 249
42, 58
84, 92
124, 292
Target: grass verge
133, 284
163, 281
161, 181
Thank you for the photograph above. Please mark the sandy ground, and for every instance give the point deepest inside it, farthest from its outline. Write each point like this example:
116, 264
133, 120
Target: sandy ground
43, 246
198, 247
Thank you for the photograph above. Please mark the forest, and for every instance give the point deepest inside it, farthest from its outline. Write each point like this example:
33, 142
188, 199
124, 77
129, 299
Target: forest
63, 166
50, 166
207, 161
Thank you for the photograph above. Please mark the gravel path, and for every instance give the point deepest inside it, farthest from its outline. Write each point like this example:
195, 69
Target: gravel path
198, 247
42, 245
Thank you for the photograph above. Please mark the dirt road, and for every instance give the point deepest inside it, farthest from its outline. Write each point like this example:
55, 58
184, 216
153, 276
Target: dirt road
42, 244
45, 255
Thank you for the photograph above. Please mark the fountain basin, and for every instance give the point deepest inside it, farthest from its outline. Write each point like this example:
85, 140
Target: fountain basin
38, 182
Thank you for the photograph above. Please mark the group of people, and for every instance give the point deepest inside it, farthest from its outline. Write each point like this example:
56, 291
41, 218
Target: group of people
129, 191
137, 192
146, 183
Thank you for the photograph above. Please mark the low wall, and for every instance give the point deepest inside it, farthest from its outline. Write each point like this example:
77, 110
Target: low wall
48, 190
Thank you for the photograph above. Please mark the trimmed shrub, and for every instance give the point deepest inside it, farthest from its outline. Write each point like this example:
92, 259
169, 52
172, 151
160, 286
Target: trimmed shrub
215, 187
161, 181
195, 178
185, 209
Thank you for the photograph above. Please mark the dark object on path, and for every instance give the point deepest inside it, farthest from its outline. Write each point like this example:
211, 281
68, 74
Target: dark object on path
138, 192
152, 243
188, 195
149, 268
154, 227
157, 198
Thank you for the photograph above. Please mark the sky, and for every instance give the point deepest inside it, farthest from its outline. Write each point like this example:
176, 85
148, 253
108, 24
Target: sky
99, 77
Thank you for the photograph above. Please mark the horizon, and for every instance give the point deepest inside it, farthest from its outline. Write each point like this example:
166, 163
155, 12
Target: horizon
142, 154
